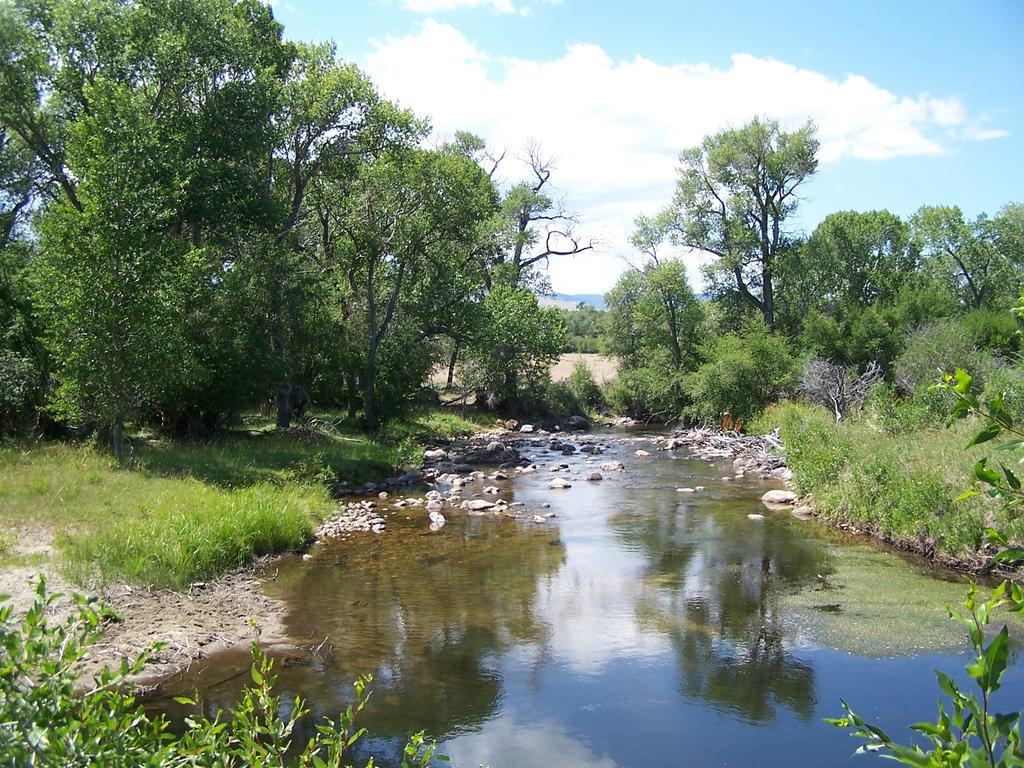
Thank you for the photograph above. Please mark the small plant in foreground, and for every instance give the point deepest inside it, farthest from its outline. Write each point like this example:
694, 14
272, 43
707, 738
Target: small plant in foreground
971, 735
45, 720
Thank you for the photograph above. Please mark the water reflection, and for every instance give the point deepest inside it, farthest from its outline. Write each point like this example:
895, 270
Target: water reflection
637, 618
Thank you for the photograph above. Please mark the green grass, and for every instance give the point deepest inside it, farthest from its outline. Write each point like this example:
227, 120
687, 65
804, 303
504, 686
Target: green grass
901, 486
183, 512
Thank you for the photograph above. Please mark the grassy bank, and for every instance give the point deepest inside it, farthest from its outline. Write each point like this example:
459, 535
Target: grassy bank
182, 512
899, 485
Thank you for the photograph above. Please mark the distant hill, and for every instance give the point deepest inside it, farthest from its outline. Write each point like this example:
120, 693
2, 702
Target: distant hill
570, 300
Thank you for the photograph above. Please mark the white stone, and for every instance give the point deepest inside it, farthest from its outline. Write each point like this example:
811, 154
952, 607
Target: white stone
559, 482
779, 498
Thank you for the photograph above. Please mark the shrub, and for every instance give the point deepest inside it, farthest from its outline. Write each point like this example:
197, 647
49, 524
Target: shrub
18, 389
742, 374
938, 347
585, 388
652, 392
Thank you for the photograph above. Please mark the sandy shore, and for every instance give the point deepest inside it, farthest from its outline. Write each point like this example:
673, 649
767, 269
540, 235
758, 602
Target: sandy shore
193, 624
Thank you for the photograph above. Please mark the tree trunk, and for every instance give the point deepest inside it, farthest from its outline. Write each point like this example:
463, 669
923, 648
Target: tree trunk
117, 434
451, 367
768, 298
370, 393
283, 400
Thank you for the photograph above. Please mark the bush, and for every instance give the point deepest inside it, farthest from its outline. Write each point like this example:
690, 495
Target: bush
585, 388
938, 347
45, 720
18, 389
651, 392
742, 374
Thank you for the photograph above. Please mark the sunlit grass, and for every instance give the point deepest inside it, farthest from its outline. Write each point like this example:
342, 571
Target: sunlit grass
901, 485
180, 512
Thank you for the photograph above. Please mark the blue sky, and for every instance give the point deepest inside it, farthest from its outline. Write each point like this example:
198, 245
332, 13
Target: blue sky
916, 102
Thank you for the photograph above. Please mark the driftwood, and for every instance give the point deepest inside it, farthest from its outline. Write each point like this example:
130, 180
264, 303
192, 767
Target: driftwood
757, 451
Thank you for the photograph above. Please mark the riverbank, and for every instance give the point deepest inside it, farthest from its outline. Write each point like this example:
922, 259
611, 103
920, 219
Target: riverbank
902, 487
171, 540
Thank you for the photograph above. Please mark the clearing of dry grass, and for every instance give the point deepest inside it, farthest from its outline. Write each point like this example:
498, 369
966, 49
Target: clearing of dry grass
602, 366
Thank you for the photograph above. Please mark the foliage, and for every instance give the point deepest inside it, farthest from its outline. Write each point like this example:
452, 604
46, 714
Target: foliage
584, 326
46, 721
740, 376
734, 196
969, 256
585, 388
19, 383
653, 325
519, 342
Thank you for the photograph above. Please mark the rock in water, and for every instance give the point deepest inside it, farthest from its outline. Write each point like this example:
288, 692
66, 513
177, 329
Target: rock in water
526, 428
641, 453
559, 482
685, 490
756, 517
476, 505
803, 513
612, 466
595, 476
779, 498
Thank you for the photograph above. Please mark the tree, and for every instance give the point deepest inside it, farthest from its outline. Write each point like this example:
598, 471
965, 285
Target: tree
331, 120
836, 387
536, 226
150, 123
519, 341
653, 325
107, 278
734, 195
851, 261
966, 254
404, 211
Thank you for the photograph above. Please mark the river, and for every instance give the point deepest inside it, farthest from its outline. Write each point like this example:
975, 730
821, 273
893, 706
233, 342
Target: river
638, 627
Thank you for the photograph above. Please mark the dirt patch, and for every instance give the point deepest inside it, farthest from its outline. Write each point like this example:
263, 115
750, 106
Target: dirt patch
193, 624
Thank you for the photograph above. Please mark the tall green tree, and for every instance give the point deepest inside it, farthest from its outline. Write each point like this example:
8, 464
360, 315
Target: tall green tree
735, 195
406, 212
967, 254
151, 121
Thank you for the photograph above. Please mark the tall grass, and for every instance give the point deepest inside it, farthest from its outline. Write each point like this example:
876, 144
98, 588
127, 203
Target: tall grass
196, 534
119, 524
900, 485
182, 512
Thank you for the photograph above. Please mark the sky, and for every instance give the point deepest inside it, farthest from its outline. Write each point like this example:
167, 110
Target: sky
916, 101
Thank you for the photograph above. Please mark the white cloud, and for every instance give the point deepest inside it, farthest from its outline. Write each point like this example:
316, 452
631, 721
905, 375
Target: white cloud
616, 127
501, 6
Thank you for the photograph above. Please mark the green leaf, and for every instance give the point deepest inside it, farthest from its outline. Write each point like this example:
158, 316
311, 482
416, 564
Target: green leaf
985, 474
990, 432
1011, 556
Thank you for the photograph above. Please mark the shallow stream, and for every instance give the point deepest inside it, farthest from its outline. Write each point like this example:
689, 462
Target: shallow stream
638, 627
